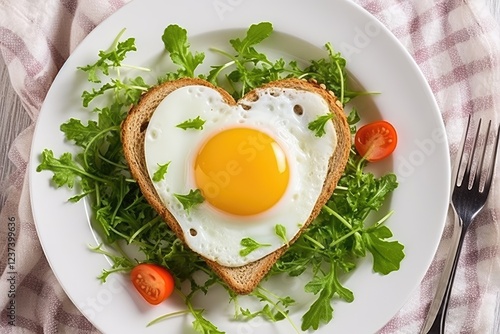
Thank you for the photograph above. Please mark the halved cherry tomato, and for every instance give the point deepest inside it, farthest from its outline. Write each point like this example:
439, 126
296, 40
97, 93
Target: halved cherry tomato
375, 141
153, 282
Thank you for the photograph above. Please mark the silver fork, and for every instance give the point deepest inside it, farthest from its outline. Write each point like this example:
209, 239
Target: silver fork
469, 196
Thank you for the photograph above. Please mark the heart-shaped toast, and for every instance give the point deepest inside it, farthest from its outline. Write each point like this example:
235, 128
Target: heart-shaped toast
237, 181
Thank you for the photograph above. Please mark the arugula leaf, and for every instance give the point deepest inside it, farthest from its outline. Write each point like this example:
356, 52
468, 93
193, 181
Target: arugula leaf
112, 57
318, 125
367, 193
387, 255
81, 134
110, 116
280, 231
193, 198
160, 173
267, 312
196, 123
274, 309
255, 34
246, 54
250, 245
352, 119
125, 92
202, 325
176, 43
88, 96
131, 90
66, 171
252, 67
321, 310
331, 72
120, 263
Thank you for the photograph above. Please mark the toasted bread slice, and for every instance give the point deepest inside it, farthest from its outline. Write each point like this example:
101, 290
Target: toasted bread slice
243, 279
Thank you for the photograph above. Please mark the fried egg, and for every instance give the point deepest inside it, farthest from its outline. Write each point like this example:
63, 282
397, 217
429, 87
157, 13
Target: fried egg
256, 164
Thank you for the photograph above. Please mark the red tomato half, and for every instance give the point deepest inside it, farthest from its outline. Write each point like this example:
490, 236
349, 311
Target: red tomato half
153, 282
376, 141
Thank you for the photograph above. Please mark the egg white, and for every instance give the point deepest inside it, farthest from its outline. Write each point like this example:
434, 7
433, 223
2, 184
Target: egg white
218, 234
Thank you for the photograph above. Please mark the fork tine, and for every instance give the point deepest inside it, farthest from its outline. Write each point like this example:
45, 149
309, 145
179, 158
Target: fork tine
491, 167
479, 167
459, 181
467, 175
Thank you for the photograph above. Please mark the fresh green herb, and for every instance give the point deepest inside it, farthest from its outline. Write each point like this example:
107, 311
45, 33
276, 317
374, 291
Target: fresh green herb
326, 286
250, 245
66, 170
352, 119
121, 262
160, 173
193, 198
126, 91
387, 255
252, 68
276, 308
330, 246
196, 124
331, 71
280, 231
175, 40
255, 34
340, 235
111, 58
318, 125
246, 54
200, 323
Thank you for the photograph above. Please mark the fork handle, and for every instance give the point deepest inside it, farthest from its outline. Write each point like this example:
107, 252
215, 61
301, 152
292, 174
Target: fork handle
438, 325
445, 275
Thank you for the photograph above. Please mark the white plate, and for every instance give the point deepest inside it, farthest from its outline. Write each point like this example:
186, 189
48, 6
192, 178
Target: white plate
375, 59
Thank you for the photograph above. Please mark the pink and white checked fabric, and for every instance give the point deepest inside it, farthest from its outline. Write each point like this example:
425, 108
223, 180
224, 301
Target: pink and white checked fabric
455, 43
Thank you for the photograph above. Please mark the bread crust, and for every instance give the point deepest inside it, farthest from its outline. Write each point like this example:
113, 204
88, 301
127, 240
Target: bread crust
244, 279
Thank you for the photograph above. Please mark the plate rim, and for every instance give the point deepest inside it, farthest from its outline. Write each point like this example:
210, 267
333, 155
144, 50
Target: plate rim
33, 153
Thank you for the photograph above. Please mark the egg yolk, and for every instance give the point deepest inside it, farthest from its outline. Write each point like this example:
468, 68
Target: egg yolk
241, 171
